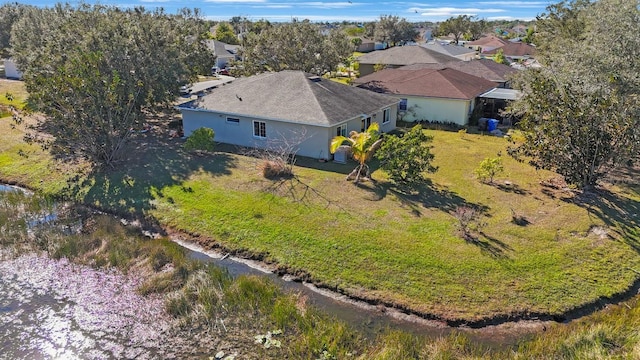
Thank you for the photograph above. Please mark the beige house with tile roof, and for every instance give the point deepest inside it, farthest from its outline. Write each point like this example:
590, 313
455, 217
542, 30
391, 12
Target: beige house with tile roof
436, 95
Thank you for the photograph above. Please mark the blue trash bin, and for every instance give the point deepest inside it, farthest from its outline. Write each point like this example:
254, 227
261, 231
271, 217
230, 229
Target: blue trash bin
492, 124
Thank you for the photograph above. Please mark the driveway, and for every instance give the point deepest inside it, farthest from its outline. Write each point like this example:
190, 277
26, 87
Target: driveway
208, 85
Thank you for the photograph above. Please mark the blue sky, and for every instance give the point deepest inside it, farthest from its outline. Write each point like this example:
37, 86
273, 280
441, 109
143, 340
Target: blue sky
339, 10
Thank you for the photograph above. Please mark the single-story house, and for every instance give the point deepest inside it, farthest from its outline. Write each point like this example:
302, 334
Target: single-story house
443, 95
366, 46
223, 52
488, 69
514, 51
271, 109
457, 51
11, 70
398, 56
486, 43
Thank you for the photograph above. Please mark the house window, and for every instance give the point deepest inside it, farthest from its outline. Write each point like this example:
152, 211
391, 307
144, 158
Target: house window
365, 123
233, 121
386, 116
260, 129
341, 130
403, 105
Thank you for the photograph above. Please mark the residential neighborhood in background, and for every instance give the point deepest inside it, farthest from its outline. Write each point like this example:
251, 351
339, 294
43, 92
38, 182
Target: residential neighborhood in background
434, 80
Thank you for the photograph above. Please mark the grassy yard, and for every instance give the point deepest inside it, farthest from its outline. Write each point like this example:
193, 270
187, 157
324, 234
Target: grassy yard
378, 241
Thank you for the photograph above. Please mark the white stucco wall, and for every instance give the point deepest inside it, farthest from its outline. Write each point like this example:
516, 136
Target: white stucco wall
436, 109
11, 70
313, 141
467, 56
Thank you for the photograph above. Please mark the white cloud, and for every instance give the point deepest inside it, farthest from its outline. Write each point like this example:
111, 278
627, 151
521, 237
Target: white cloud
308, 4
517, 4
508, 18
235, 1
272, 6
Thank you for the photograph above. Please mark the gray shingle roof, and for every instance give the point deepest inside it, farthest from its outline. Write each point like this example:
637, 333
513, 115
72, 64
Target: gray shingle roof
292, 96
405, 55
448, 49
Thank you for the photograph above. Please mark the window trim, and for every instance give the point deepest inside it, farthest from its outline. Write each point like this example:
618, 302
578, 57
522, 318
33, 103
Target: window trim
262, 128
341, 130
406, 104
386, 116
365, 123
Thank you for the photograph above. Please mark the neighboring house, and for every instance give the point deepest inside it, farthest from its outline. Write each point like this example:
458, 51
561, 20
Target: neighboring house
514, 51
488, 69
443, 95
460, 52
398, 56
271, 109
366, 46
486, 43
11, 70
223, 52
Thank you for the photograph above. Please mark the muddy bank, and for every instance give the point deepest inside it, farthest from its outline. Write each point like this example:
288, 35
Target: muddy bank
527, 321
370, 318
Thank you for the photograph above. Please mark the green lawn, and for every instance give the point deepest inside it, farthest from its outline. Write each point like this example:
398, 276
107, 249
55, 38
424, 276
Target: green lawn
376, 240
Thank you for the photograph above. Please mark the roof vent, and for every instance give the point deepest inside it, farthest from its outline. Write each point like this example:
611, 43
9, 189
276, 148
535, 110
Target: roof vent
315, 78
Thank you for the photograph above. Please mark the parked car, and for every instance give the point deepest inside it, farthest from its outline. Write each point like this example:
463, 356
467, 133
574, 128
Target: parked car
223, 72
185, 89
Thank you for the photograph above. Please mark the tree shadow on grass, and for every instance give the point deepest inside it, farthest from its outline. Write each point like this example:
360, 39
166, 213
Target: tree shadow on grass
418, 196
510, 187
155, 161
489, 245
619, 213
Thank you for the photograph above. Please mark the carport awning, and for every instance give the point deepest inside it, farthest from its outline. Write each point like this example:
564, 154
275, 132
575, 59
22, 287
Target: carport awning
503, 94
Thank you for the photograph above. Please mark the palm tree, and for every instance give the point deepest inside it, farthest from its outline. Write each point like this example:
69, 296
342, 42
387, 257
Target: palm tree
363, 145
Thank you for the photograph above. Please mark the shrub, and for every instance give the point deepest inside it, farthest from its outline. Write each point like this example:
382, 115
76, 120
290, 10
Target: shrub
276, 169
489, 168
468, 221
407, 158
200, 140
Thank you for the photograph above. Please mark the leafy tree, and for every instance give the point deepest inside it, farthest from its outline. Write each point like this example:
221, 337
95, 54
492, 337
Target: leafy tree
530, 36
369, 29
259, 26
295, 46
356, 42
9, 14
477, 28
201, 139
94, 71
363, 146
393, 29
455, 26
240, 24
500, 58
354, 31
489, 168
407, 158
225, 33
581, 111
469, 27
